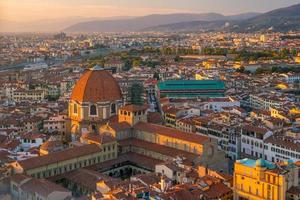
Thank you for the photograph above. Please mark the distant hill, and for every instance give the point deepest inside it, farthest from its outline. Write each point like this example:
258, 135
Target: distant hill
189, 26
140, 23
242, 16
283, 19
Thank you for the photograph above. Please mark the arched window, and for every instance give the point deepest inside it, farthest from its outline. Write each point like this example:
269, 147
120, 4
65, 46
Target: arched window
113, 108
93, 110
75, 108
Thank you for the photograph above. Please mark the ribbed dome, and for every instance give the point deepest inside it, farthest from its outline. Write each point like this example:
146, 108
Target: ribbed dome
96, 85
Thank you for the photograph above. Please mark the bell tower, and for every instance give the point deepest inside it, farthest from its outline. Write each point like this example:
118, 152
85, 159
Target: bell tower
133, 114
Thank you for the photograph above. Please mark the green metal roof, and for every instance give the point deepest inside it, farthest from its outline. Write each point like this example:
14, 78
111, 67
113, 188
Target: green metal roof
254, 163
191, 85
187, 95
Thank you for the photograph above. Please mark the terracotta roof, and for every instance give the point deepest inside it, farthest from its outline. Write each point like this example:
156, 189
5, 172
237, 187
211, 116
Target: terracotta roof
18, 178
96, 86
68, 154
42, 187
120, 126
134, 108
32, 136
87, 178
170, 132
154, 117
165, 150
49, 145
99, 138
178, 193
4, 156
216, 191
10, 144
255, 129
284, 142
149, 179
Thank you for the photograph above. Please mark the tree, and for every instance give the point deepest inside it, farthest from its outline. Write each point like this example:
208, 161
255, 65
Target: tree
262, 70
31, 87
135, 94
294, 52
136, 63
127, 65
241, 69
156, 75
150, 63
178, 59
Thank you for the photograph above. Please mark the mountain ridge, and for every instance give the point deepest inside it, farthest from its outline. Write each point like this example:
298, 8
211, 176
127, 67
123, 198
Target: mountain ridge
282, 19
143, 22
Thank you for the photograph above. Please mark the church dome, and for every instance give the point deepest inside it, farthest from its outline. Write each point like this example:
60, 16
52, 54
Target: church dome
96, 85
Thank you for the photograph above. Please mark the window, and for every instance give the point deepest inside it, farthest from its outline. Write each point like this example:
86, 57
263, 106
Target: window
75, 108
15, 187
93, 110
113, 108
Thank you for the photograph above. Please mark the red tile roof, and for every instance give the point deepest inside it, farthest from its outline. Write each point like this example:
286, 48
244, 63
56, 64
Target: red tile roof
42, 187
101, 139
68, 154
170, 132
217, 191
168, 151
134, 108
120, 126
154, 117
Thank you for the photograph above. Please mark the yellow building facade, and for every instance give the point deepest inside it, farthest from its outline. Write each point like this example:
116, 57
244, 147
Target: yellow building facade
263, 180
297, 58
28, 95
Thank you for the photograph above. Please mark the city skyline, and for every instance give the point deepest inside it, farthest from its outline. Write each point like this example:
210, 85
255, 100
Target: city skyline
150, 99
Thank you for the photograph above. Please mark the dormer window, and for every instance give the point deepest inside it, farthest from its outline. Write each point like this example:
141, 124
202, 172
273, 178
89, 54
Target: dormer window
93, 110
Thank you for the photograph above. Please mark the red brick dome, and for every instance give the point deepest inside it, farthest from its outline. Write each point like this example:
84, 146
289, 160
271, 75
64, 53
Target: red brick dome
96, 85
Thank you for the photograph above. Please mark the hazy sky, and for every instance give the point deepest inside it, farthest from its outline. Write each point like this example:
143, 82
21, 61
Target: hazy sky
32, 10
